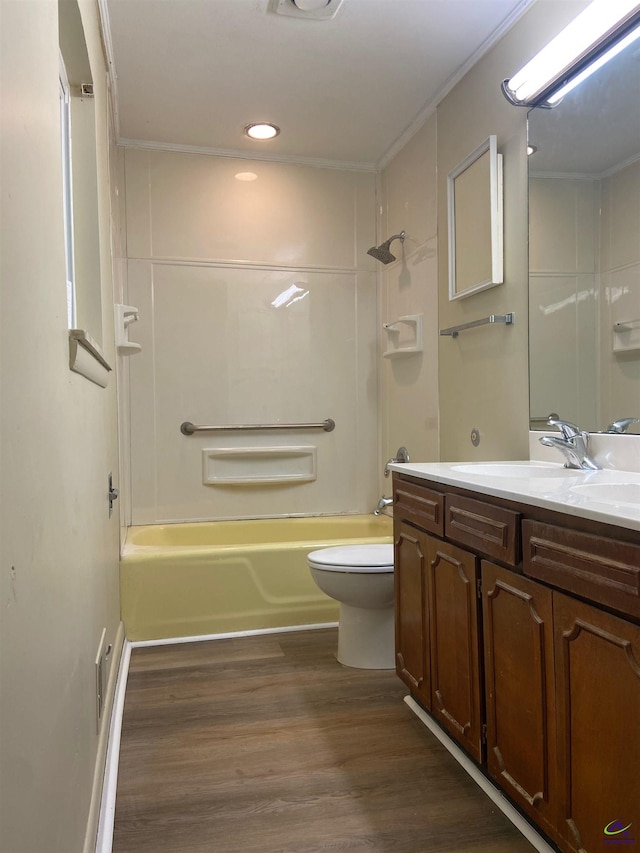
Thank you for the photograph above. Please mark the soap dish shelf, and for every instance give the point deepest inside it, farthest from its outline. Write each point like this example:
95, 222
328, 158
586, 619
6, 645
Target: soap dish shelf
626, 336
393, 330
124, 316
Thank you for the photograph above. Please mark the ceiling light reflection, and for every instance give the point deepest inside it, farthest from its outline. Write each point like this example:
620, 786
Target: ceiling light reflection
289, 296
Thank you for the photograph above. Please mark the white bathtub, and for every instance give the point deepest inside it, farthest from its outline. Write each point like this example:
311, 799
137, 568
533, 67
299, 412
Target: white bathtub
181, 580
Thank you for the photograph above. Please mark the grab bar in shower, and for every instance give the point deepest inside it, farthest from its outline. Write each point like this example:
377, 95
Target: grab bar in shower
187, 428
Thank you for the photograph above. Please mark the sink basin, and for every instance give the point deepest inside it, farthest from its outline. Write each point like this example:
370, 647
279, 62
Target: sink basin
516, 470
614, 494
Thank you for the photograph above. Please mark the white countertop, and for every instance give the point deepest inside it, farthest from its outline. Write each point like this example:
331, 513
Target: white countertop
543, 484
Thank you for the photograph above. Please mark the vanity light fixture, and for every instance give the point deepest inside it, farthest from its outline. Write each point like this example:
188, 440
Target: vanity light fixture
601, 31
261, 130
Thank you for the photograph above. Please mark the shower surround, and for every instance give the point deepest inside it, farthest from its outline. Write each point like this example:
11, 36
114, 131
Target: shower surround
257, 304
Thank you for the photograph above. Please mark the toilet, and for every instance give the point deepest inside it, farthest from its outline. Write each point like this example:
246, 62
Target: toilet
360, 577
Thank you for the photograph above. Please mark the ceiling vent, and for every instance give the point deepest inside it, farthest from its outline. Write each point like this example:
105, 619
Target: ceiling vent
313, 10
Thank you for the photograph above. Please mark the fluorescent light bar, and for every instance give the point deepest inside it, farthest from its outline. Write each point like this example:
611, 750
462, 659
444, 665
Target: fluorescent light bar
589, 37
602, 60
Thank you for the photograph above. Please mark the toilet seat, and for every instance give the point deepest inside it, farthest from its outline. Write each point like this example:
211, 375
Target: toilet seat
353, 558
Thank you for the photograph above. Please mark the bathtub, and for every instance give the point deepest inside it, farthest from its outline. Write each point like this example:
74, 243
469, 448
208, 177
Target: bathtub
183, 580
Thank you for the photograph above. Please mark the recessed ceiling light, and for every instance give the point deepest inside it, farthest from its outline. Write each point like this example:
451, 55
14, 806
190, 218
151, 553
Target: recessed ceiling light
261, 130
246, 176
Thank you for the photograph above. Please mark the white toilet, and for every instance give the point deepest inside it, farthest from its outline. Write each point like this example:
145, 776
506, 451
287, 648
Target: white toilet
360, 577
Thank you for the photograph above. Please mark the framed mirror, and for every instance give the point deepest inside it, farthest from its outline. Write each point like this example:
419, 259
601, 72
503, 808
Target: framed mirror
584, 251
474, 199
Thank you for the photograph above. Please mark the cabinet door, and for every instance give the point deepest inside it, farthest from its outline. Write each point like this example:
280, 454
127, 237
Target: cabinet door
454, 643
412, 627
597, 660
520, 692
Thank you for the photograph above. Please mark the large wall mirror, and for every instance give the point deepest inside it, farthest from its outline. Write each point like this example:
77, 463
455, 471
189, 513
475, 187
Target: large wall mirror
584, 251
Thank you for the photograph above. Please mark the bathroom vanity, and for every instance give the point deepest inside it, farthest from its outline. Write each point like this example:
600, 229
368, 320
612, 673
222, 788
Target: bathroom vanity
518, 630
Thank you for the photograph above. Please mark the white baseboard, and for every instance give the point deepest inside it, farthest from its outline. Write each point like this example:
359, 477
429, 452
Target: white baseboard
104, 842
201, 638
494, 794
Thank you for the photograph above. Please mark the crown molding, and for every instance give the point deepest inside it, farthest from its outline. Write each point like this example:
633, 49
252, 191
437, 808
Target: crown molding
587, 176
430, 107
425, 113
620, 166
248, 155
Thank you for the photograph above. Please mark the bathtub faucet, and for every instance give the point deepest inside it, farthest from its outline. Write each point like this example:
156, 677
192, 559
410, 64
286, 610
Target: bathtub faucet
382, 504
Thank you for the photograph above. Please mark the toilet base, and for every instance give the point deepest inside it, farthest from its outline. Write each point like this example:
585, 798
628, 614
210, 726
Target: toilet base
366, 637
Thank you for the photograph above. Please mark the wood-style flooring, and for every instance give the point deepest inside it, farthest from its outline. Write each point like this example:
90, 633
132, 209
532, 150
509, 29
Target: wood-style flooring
265, 744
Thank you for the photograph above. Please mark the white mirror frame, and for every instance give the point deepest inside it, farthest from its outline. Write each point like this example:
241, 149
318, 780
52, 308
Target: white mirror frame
490, 207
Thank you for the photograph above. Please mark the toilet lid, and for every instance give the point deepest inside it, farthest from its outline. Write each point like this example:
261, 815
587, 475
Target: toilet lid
354, 558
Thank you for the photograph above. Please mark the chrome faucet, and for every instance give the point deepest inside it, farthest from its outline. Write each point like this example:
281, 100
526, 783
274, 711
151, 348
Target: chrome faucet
622, 425
573, 445
383, 503
402, 455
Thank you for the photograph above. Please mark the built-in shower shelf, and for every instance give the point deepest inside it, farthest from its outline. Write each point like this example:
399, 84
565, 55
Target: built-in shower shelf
626, 336
124, 316
404, 344
248, 466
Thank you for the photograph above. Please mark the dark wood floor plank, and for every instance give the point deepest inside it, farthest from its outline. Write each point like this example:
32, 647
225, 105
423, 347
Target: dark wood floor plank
268, 745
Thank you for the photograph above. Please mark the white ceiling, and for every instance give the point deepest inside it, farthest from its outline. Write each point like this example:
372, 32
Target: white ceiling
195, 72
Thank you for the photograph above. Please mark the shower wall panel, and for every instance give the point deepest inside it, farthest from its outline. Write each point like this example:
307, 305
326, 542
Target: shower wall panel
257, 305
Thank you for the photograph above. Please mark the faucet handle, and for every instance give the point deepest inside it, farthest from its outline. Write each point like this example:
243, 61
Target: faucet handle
402, 456
567, 429
621, 425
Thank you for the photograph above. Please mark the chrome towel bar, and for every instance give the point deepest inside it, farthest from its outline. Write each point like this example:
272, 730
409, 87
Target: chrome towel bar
187, 428
507, 319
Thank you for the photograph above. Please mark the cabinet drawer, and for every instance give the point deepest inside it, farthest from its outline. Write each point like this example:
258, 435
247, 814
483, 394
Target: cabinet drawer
605, 571
418, 505
489, 529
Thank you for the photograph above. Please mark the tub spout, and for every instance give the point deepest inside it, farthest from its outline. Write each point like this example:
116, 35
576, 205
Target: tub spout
382, 504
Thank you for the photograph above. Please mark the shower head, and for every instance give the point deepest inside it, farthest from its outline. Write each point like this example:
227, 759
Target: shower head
382, 253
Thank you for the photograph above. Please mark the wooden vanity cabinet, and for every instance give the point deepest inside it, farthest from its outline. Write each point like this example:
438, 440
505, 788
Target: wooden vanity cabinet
437, 637
546, 668
597, 677
597, 662
454, 643
520, 691
412, 617
418, 511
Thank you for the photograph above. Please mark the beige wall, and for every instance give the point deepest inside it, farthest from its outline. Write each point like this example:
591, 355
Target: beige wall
409, 286
59, 578
208, 257
483, 374
481, 378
